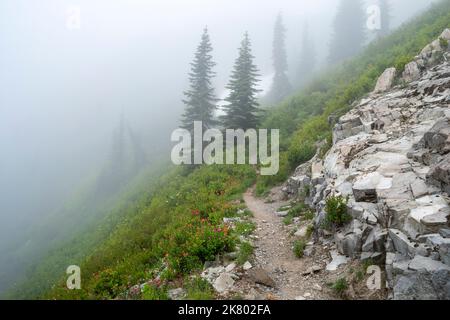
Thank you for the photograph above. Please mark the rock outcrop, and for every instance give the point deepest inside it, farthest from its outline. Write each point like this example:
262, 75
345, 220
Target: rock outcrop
391, 160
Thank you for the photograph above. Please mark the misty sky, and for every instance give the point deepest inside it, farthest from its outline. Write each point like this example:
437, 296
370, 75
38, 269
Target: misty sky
62, 90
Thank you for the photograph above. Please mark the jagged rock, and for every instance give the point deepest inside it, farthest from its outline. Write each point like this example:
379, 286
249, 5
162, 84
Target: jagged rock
309, 251
445, 34
176, 294
375, 241
230, 267
282, 214
430, 214
247, 266
423, 286
401, 242
365, 188
349, 241
427, 264
223, 282
336, 261
438, 137
412, 72
210, 274
419, 188
445, 233
301, 233
391, 159
261, 276
386, 80
442, 245
377, 258
312, 270
421, 279
440, 174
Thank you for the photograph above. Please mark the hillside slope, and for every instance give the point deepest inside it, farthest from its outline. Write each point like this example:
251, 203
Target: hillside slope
389, 166
166, 237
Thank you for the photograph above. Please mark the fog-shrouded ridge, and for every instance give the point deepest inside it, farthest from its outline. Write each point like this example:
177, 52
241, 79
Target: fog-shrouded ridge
65, 89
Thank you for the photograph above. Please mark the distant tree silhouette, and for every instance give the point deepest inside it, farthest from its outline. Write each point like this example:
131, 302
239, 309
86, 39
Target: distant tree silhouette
281, 86
307, 58
349, 31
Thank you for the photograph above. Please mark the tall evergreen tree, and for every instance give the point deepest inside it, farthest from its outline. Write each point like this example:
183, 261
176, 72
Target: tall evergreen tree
307, 58
281, 86
385, 12
242, 107
200, 99
349, 31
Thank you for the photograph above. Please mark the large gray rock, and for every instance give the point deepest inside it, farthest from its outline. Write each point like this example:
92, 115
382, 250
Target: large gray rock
412, 72
386, 80
422, 279
177, 294
439, 174
261, 276
376, 241
401, 243
349, 244
366, 187
445, 34
438, 138
442, 245
224, 282
423, 286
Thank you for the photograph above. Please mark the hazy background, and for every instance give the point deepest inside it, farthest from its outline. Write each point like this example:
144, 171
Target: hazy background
62, 90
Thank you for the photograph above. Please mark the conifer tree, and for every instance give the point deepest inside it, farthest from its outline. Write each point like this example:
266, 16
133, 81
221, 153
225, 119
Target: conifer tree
349, 31
307, 58
281, 86
200, 100
242, 107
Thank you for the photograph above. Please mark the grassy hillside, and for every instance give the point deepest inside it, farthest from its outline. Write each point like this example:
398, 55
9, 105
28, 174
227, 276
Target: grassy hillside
72, 232
171, 228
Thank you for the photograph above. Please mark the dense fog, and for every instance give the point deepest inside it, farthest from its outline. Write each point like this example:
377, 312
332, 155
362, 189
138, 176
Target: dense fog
66, 84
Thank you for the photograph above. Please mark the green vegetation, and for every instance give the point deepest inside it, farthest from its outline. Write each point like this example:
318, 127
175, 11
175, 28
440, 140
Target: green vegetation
299, 247
303, 118
245, 252
340, 286
153, 292
336, 211
310, 231
171, 234
198, 288
168, 228
299, 210
244, 228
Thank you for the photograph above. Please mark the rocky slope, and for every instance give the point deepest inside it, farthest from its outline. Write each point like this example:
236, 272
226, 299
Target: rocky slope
391, 159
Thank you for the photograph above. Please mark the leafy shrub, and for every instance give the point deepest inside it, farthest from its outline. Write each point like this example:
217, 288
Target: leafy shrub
299, 248
245, 252
297, 210
198, 288
288, 220
109, 283
444, 43
336, 211
153, 292
309, 231
340, 286
244, 228
401, 62
308, 215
